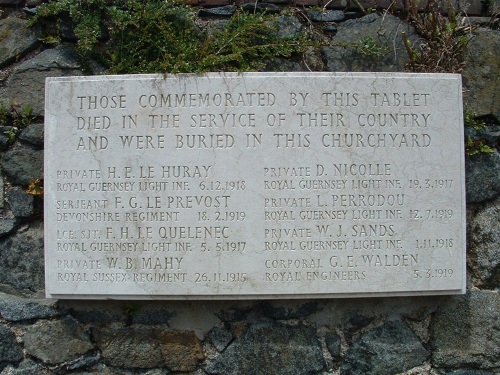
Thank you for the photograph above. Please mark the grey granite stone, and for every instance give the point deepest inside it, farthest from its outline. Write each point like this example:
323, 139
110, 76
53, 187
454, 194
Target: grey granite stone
484, 254
26, 367
85, 361
15, 309
5, 141
16, 39
482, 73
224, 11
289, 310
21, 203
33, 135
345, 55
12, 2
288, 27
10, 351
21, 259
26, 85
233, 314
220, 337
389, 349
482, 177
129, 347
333, 344
7, 222
326, 16
257, 7
151, 314
283, 65
466, 333
56, 341
23, 165
470, 372
182, 351
2, 196
148, 348
271, 349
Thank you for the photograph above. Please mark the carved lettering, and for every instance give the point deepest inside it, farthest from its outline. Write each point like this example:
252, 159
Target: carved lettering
254, 185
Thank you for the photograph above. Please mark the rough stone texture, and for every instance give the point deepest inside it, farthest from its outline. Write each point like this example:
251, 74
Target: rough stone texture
482, 177
333, 344
489, 134
271, 349
484, 255
4, 138
358, 321
2, 191
313, 59
10, 352
330, 28
256, 7
14, 309
151, 314
23, 165
26, 85
389, 349
283, 65
288, 27
470, 372
419, 323
149, 348
95, 312
482, 73
181, 350
326, 16
220, 338
12, 2
67, 29
130, 312
385, 30
81, 362
21, 259
129, 347
283, 310
466, 333
234, 314
34, 3
56, 341
33, 135
15, 40
7, 222
105, 370
26, 367
21, 204
215, 26
225, 11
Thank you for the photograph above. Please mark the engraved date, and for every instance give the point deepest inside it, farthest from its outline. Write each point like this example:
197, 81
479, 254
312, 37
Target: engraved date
437, 243
220, 277
433, 273
429, 183
222, 185
228, 247
431, 214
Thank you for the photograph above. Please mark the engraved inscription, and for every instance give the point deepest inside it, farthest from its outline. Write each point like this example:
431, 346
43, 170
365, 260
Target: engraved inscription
254, 185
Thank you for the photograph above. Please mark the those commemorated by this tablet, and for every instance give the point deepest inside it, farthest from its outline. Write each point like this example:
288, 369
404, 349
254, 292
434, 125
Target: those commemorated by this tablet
254, 185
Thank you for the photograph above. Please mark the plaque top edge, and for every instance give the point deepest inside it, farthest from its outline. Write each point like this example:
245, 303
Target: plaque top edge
233, 75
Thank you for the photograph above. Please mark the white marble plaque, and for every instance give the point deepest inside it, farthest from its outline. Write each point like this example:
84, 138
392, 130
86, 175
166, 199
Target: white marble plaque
256, 185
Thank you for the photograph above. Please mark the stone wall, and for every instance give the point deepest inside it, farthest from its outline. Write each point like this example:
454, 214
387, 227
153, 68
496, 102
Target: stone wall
457, 335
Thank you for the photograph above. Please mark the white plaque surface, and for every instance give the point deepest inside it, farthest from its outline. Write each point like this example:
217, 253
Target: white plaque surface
255, 185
